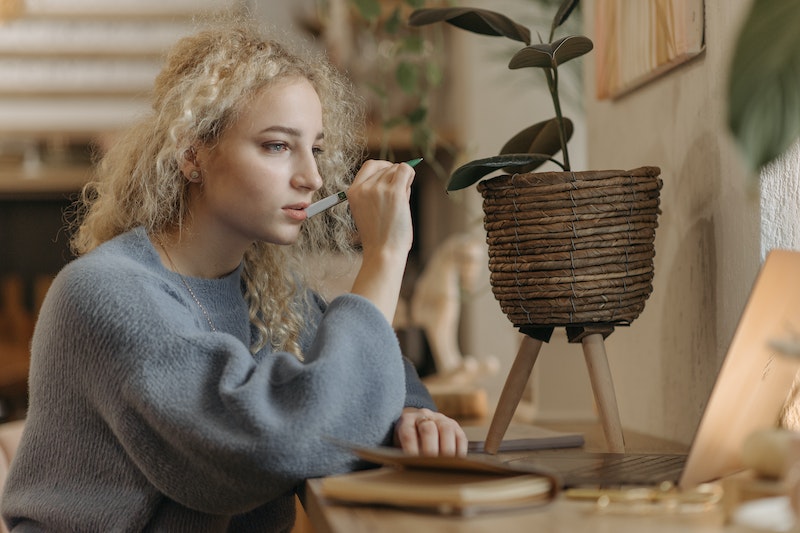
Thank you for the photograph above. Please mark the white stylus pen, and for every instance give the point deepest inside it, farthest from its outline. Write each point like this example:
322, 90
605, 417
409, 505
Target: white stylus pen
326, 203
335, 199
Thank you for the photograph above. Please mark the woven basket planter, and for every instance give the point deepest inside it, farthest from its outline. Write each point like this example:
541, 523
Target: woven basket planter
572, 248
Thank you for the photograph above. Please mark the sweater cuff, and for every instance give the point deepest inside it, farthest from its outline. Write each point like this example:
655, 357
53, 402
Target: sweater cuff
416, 393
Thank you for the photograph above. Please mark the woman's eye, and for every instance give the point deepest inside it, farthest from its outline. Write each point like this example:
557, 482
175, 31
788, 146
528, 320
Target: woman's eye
275, 147
317, 151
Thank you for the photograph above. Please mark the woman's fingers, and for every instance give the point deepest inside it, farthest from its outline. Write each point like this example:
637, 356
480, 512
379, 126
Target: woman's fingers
379, 201
382, 177
425, 432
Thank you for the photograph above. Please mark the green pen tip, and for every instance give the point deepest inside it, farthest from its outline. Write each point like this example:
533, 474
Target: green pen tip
414, 162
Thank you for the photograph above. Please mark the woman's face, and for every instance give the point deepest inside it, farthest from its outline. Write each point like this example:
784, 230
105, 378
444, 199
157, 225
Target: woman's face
261, 174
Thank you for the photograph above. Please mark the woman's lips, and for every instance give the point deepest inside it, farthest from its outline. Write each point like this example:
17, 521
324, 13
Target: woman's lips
296, 211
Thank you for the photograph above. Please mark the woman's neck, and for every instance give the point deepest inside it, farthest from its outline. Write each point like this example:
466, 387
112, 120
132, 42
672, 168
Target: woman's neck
189, 254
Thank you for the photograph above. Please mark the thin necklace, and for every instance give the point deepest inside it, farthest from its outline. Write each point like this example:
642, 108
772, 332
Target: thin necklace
188, 288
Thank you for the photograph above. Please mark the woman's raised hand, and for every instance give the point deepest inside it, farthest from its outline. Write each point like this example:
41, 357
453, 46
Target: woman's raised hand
379, 201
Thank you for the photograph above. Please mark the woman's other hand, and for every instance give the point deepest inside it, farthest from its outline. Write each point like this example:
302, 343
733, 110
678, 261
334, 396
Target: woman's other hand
426, 432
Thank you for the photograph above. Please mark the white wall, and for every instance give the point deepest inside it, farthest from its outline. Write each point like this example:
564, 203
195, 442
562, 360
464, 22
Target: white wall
780, 202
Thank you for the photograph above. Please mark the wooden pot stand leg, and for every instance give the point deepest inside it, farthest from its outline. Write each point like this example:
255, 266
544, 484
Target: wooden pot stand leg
592, 338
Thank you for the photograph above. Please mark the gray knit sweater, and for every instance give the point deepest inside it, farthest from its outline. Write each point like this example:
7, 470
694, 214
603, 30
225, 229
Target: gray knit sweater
142, 419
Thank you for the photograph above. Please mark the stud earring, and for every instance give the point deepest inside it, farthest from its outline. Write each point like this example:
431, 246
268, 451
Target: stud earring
194, 175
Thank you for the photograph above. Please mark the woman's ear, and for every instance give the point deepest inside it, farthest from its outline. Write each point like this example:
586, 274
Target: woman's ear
189, 167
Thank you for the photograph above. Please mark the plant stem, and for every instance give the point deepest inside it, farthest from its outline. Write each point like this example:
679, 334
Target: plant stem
552, 84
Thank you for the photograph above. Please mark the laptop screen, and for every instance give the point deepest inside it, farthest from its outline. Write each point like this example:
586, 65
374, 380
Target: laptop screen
755, 379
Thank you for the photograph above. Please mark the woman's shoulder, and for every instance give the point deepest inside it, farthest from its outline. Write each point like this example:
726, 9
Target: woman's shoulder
125, 257
119, 278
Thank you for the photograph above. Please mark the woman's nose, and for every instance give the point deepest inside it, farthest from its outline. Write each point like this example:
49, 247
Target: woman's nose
307, 174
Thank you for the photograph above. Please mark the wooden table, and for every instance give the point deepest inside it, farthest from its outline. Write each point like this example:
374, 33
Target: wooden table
563, 515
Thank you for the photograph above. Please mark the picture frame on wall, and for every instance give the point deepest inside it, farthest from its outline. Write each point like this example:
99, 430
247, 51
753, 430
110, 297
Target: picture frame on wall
638, 41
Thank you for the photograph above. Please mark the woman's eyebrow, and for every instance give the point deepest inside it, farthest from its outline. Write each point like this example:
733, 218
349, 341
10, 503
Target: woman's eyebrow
294, 132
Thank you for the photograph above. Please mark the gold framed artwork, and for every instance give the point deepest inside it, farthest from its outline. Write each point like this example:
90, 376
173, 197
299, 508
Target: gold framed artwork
637, 41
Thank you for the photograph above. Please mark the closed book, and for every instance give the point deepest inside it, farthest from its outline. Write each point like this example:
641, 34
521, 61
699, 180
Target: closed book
447, 485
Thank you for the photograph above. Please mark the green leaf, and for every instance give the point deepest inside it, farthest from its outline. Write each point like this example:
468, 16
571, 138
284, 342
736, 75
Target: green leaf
413, 43
393, 122
406, 76
417, 116
472, 172
551, 55
434, 74
481, 21
378, 90
764, 82
369, 9
421, 136
541, 138
392, 25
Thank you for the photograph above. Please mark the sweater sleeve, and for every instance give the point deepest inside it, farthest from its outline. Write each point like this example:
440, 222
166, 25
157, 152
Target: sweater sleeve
417, 395
209, 424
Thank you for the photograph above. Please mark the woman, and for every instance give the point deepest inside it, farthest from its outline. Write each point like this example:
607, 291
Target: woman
183, 377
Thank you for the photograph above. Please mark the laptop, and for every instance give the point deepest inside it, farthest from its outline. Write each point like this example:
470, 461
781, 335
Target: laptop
749, 394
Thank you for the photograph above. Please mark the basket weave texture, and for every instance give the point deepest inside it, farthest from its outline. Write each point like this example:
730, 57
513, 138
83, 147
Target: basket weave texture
572, 248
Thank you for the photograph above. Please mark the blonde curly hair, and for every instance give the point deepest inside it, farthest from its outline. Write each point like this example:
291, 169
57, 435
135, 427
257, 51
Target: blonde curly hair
206, 83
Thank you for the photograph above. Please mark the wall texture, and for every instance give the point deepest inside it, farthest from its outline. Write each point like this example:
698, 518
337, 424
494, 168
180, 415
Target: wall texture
780, 203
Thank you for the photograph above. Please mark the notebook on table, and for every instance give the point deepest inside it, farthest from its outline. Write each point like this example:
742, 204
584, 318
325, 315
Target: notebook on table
447, 485
750, 391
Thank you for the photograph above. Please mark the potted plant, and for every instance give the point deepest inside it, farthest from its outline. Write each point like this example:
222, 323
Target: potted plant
537, 208
566, 249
